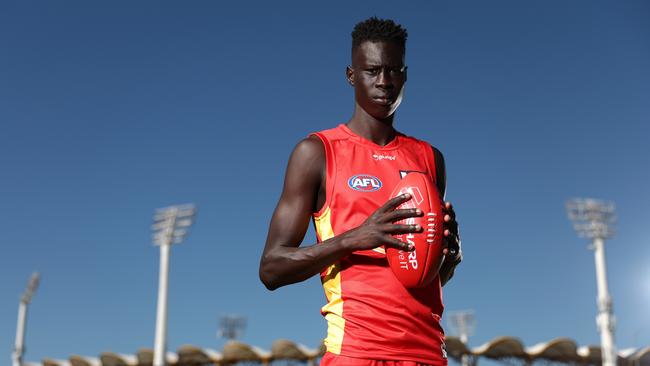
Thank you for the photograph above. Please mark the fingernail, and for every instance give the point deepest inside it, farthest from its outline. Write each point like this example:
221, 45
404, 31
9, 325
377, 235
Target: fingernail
406, 195
411, 247
417, 227
418, 211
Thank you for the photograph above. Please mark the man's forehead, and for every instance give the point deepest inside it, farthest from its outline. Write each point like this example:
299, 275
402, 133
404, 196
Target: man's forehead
378, 53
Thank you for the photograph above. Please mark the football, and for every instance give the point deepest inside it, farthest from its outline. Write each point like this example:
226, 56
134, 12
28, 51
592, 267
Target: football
421, 266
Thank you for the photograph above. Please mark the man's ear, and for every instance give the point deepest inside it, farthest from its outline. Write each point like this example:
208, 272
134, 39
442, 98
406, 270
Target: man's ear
349, 74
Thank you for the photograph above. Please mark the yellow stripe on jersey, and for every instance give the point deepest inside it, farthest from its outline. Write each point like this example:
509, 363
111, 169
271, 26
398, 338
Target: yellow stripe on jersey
333, 310
323, 224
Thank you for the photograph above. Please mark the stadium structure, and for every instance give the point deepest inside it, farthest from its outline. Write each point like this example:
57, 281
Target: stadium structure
591, 218
503, 350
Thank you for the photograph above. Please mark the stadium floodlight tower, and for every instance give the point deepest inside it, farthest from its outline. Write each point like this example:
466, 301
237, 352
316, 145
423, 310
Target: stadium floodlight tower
594, 219
462, 321
25, 300
231, 327
170, 227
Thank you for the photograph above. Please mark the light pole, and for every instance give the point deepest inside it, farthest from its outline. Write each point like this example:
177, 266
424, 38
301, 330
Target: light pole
594, 219
19, 349
231, 326
463, 323
170, 227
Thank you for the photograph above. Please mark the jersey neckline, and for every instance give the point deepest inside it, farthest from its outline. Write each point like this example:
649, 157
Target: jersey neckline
393, 144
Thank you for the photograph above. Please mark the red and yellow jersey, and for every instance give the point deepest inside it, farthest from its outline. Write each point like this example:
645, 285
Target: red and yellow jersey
370, 314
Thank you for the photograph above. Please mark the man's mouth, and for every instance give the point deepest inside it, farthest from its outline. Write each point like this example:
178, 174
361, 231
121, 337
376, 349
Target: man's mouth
383, 99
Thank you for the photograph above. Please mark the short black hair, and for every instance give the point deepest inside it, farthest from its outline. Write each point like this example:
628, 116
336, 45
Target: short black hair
377, 30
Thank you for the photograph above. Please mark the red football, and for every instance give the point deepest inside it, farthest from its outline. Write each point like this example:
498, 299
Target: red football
421, 266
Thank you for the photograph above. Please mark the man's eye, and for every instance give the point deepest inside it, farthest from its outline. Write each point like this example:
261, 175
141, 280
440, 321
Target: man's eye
372, 71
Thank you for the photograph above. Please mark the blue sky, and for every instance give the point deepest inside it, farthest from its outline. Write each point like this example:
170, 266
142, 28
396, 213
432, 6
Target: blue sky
110, 110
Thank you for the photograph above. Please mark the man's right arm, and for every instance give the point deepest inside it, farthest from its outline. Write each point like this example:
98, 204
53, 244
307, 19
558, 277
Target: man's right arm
283, 261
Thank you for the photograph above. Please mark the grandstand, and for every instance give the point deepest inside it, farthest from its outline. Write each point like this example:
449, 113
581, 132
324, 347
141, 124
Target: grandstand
504, 350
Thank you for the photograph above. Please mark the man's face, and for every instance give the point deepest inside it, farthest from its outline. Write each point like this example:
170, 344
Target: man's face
378, 75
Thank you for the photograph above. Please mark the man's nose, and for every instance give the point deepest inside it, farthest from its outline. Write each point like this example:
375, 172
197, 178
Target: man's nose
384, 79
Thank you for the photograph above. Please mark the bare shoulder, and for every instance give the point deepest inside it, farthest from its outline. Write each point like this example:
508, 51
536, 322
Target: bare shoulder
308, 156
436, 151
305, 169
310, 148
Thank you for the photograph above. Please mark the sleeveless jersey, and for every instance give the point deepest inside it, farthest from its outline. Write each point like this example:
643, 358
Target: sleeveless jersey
370, 314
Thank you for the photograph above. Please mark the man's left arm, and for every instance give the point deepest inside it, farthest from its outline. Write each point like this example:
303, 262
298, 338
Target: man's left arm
453, 252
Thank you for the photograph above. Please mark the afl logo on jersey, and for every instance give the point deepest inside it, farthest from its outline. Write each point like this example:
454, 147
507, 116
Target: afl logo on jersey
364, 183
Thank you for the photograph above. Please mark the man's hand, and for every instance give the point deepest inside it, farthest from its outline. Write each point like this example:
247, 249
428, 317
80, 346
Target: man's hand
452, 238
379, 228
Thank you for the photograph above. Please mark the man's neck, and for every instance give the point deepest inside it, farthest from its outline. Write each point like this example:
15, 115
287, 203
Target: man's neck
381, 132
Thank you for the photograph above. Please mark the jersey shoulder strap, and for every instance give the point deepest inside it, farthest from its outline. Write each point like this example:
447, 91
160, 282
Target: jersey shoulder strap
328, 137
435, 163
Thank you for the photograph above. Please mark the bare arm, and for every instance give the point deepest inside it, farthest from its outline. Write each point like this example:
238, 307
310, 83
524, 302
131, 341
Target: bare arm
283, 261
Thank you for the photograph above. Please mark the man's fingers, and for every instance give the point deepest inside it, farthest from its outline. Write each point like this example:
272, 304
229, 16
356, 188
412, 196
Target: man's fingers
449, 210
449, 235
396, 229
400, 245
450, 224
451, 242
401, 214
393, 203
452, 238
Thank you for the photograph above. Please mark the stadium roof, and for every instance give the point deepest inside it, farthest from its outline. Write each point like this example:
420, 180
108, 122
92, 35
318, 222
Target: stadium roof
561, 350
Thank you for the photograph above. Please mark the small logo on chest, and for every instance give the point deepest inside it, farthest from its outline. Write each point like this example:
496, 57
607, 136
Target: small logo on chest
380, 157
364, 183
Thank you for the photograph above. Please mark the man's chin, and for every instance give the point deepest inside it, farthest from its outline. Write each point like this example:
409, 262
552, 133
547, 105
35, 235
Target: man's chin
383, 113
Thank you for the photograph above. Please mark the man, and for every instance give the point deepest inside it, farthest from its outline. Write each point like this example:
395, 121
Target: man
372, 318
